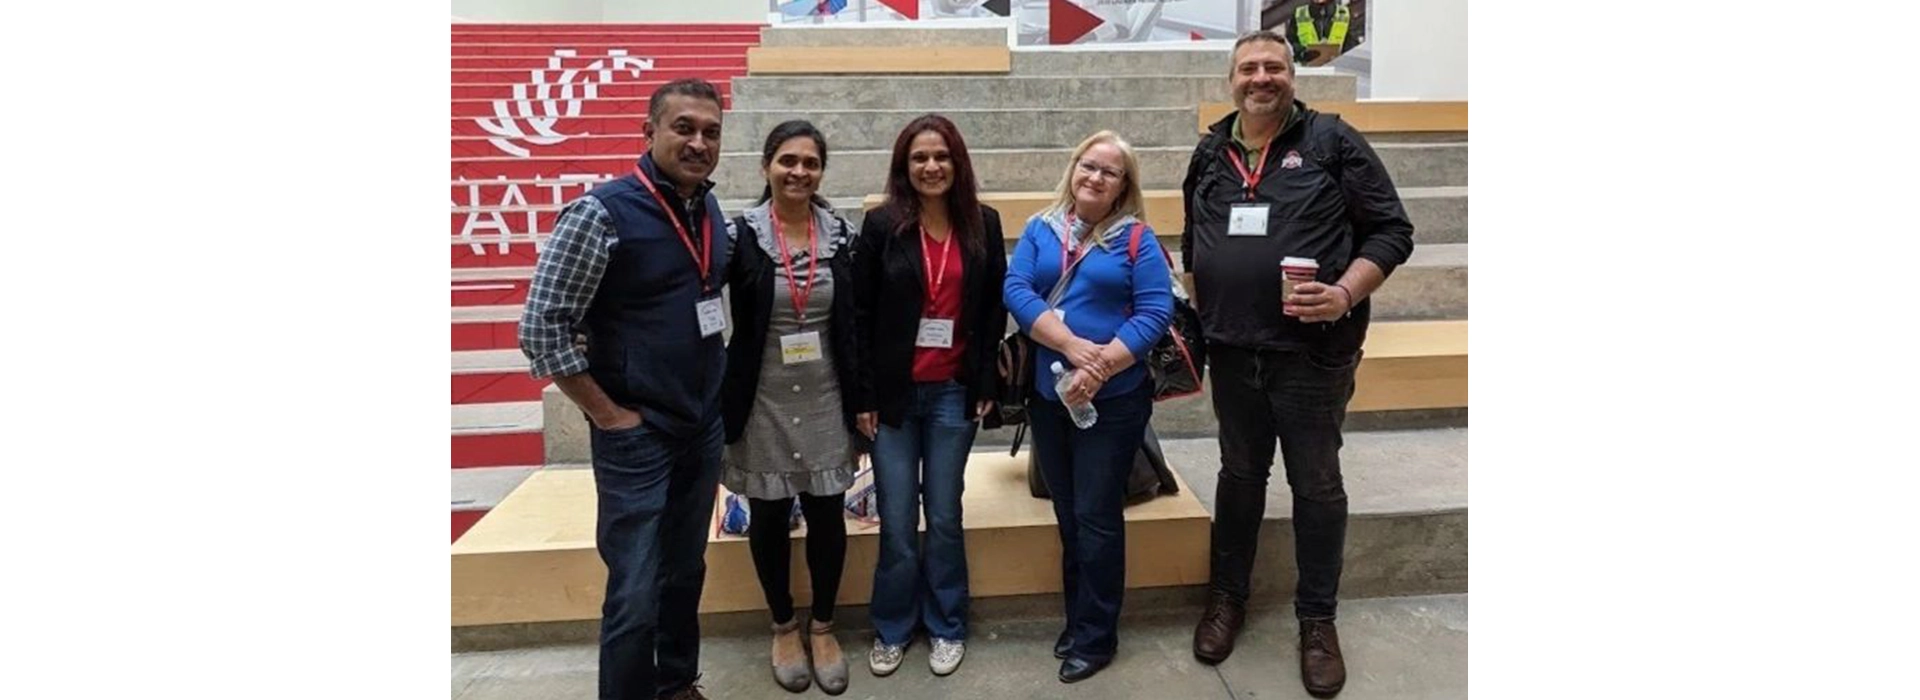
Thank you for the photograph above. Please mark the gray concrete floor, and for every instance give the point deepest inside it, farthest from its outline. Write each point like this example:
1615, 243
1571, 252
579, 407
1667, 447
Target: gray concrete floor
1413, 647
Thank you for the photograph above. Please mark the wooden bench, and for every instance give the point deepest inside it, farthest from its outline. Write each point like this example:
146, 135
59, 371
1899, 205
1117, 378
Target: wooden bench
532, 558
1165, 213
1411, 365
1372, 116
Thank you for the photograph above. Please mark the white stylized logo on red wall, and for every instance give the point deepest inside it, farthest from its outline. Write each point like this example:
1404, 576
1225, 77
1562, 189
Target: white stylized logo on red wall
539, 104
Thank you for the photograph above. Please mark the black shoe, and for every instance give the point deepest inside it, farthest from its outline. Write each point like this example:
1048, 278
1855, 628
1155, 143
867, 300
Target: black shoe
1078, 669
1061, 647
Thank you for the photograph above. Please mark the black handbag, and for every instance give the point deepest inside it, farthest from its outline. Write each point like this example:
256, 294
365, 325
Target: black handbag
1177, 363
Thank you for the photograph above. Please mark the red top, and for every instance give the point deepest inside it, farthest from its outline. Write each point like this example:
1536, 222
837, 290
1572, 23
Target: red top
945, 269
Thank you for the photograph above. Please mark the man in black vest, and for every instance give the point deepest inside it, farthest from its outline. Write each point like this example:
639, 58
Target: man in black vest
635, 264
1276, 183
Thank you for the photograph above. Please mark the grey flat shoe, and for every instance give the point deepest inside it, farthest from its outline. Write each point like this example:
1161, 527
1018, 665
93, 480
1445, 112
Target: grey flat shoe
829, 663
790, 657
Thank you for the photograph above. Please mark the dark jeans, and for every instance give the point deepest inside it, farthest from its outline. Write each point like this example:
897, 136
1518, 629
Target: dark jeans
1300, 399
922, 462
1086, 474
656, 502
773, 555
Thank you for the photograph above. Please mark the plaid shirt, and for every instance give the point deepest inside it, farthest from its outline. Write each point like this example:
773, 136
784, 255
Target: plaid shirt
564, 280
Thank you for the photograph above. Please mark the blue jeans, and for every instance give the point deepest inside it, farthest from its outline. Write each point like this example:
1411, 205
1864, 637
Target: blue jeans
923, 460
1086, 474
655, 503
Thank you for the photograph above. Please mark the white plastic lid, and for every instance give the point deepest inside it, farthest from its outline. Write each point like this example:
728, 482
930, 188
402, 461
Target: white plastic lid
1057, 368
1299, 262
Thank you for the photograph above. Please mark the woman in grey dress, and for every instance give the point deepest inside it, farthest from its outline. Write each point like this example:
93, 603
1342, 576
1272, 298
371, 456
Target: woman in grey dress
790, 432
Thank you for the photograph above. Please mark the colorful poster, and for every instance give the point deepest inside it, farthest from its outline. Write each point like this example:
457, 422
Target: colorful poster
1321, 31
1049, 22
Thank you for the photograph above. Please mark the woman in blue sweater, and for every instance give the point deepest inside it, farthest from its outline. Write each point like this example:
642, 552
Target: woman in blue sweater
1117, 303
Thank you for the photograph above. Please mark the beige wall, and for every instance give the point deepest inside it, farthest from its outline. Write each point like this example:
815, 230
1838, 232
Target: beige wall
1419, 49
754, 11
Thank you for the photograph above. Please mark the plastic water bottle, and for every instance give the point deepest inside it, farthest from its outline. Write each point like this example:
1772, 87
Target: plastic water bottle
1083, 414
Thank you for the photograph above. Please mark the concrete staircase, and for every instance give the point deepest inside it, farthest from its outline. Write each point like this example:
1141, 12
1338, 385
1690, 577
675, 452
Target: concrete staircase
1405, 466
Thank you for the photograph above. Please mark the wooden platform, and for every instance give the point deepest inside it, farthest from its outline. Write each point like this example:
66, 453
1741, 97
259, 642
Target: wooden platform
1412, 365
532, 558
1371, 117
878, 60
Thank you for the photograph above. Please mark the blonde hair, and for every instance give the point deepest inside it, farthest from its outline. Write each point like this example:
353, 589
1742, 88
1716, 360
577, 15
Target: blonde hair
1131, 202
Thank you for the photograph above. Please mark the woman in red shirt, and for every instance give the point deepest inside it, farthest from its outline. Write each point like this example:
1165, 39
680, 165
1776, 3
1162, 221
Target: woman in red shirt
929, 265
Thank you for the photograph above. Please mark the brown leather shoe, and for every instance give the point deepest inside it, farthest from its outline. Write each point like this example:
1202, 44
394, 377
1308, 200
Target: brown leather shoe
1321, 668
1213, 637
691, 692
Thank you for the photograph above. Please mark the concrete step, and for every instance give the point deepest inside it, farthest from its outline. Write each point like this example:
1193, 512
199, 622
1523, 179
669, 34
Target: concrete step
1439, 214
1431, 285
991, 92
1400, 648
485, 274
858, 35
861, 172
1020, 127
1407, 505
1122, 60
1414, 369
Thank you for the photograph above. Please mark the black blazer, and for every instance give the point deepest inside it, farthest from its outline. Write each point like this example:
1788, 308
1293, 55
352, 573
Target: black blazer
750, 276
890, 283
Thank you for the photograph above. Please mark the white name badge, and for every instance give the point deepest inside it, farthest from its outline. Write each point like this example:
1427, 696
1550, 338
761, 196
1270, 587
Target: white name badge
1248, 220
935, 333
712, 320
800, 347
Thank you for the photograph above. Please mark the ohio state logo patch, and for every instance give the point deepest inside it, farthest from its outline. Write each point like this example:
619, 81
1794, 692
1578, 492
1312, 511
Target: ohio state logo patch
1291, 161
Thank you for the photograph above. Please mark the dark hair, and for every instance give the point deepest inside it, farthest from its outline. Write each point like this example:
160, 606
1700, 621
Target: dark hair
1262, 35
787, 131
963, 198
690, 87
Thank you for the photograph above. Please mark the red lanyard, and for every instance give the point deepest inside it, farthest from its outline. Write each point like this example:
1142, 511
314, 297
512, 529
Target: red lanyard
933, 283
1251, 178
700, 262
800, 293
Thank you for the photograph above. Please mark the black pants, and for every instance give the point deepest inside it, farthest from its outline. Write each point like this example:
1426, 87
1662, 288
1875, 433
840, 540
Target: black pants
1300, 399
772, 556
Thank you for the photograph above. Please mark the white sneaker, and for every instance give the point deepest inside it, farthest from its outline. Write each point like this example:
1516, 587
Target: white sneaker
885, 657
946, 655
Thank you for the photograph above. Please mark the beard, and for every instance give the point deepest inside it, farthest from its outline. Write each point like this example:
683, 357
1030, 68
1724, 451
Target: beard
1250, 106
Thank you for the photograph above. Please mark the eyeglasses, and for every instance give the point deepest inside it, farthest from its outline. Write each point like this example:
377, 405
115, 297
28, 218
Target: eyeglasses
1090, 169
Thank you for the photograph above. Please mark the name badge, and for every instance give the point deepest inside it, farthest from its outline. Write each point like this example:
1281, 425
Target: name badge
935, 333
800, 347
1248, 220
712, 320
